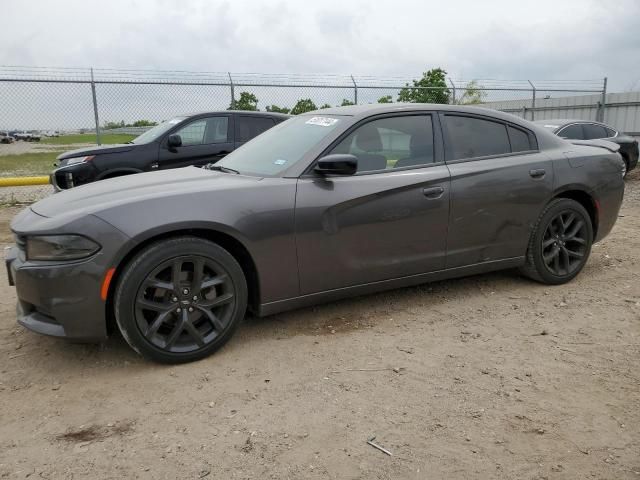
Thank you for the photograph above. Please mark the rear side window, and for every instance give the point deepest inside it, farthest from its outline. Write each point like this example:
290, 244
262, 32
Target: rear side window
520, 140
471, 137
592, 131
572, 132
249, 127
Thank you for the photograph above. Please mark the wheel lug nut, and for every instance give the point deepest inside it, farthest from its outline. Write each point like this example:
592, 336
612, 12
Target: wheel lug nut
178, 310
191, 309
185, 291
174, 299
195, 297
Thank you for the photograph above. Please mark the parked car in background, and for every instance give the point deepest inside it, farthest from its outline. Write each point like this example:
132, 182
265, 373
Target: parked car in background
6, 138
587, 130
334, 203
180, 142
26, 136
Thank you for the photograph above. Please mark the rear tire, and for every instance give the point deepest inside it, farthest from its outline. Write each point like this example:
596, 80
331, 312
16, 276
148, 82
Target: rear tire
560, 243
180, 299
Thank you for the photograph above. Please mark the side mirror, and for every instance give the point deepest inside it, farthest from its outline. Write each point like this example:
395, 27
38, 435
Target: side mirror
174, 141
337, 164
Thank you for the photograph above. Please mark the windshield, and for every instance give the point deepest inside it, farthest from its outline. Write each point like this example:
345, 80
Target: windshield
277, 149
153, 133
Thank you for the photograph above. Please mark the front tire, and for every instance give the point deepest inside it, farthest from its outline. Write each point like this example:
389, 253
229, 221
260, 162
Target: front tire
560, 243
180, 299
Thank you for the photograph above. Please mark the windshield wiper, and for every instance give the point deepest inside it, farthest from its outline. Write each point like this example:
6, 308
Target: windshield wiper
220, 168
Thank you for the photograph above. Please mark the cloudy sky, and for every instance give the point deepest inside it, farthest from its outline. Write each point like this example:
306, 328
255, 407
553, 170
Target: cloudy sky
558, 39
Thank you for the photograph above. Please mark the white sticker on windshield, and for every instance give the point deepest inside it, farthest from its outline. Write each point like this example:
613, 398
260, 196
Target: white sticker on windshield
322, 121
551, 126
280, 162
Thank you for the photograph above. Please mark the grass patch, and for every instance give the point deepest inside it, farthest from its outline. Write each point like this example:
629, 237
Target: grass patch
27, 164
106, 139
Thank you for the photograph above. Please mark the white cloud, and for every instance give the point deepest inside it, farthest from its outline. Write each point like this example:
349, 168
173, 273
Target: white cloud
544, 39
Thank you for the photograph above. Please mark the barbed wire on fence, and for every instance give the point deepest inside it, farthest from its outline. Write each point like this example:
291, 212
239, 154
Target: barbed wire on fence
105, 104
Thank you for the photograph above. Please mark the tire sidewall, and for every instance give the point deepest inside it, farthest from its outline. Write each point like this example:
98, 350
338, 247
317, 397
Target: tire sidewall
559, 206
142, 264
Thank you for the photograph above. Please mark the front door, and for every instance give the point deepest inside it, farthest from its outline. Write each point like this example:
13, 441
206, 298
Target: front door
204, 140
389, 220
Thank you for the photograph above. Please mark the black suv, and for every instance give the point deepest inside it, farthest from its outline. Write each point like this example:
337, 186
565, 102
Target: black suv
182, 141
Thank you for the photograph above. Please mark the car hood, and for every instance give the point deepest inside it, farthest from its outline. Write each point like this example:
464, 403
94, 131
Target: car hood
105, 194
97, 150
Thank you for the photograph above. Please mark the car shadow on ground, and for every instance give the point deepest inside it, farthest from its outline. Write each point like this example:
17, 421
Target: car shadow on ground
335, 318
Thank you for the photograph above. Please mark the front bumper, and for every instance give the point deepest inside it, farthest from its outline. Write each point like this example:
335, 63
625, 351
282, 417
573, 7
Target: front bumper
62, 299
59, 300
70, 176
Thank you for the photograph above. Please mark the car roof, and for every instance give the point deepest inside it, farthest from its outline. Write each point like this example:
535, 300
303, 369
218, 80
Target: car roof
242, 112
546, 139
377, 108
561, 122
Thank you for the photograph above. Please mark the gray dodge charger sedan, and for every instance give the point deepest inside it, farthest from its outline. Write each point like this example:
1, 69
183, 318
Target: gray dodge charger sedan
329, 204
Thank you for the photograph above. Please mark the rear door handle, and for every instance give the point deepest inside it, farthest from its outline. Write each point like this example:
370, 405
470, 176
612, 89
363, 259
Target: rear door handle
537, 172
433, 192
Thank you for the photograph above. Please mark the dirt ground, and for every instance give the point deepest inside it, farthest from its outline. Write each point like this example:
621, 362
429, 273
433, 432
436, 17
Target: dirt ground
490, 376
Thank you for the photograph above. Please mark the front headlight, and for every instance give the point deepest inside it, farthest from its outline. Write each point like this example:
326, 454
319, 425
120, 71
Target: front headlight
59, 247
74, 160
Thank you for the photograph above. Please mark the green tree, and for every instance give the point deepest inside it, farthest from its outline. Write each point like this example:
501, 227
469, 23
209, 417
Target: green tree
385, 99
473, 95
277, 109
346, 103
303, 105
247, 101
326, 105
143, 123
431, 88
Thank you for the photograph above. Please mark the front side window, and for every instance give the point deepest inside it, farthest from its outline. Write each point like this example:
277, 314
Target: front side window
592, 131
471, 137
205, 131
249, 127
572, 132
393, 142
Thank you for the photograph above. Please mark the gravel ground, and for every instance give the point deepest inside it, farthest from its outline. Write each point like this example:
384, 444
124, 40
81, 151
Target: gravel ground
490, 376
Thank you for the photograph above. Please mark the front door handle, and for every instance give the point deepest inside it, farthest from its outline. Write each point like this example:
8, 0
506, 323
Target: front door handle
537, 172
433, 192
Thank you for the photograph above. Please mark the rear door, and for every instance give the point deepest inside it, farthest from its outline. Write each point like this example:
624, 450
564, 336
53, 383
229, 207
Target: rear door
499, 184
204, 140
250, 126
389, 220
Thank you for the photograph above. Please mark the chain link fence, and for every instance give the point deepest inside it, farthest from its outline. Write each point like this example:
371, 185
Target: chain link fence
59, 109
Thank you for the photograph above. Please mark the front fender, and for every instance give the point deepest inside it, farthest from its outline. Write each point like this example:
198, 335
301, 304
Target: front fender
260, 218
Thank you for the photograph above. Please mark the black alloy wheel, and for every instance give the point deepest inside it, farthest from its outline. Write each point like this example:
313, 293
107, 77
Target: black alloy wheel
180, 299
560, 243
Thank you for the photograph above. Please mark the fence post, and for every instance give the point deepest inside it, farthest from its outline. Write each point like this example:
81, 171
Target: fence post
233, 94
95, 108
533, 100
355, 90
453, 87
604, 100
